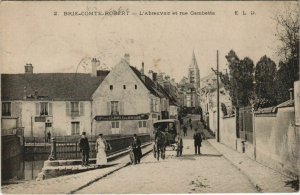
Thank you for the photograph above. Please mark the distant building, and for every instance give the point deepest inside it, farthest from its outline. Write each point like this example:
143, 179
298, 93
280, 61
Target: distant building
190, 86
208, 99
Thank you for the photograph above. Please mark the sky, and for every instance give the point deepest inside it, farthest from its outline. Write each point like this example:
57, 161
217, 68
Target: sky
31, 33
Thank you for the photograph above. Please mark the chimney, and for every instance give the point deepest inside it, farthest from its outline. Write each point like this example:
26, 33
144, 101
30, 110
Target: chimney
25, 93
28, 69
95, 63
127, 58
291, 90
142, 72
35, 94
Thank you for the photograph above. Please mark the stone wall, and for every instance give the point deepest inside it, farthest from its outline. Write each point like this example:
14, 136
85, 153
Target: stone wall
228, 132
277, 140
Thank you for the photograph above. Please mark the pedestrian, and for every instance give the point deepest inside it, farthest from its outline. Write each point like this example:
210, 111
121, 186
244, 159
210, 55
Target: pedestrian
191, 126
100, 148
85, 149
49, 137
197, 142
179, 145
136, 147
190, 120
184, 130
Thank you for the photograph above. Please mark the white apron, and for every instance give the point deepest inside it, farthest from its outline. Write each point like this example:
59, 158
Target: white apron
101, 154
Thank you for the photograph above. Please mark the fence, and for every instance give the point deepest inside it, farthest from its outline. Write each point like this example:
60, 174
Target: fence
68, 138
70, 150
246, 124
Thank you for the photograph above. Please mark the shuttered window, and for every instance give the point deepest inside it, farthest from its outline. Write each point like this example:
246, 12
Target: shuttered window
74, 109
75, 128
43, 109
115, 108
6, 109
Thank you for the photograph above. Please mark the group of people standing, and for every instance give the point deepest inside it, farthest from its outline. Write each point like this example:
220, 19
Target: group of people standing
102, 147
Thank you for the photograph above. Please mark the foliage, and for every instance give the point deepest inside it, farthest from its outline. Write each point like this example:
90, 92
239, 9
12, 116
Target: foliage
288, 35
239, 81
264, 77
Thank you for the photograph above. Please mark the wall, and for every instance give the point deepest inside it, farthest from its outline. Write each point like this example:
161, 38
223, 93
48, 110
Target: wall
228, 131
61, 122
134, 101
8, 123
277, 140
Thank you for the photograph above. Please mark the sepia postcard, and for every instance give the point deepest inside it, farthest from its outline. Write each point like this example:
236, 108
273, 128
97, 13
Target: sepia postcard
149, 97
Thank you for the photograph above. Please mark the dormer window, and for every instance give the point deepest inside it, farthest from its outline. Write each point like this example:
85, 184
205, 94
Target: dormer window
124, 86
135, 86
111, 87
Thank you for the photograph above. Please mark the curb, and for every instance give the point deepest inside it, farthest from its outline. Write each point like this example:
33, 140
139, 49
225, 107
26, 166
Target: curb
109, 173
255, 184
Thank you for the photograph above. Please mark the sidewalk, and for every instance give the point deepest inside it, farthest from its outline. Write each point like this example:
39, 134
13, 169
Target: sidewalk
70, 183
264, 178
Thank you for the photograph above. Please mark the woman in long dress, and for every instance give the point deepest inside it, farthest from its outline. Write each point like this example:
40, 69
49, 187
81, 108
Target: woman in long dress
100, 149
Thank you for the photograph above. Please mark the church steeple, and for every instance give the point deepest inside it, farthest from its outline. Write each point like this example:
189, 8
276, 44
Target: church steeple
194, 74
194, 63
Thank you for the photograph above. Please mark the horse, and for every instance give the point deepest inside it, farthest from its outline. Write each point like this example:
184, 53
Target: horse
159, 148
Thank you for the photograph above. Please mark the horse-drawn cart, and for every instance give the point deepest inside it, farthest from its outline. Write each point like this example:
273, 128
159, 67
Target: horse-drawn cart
165, 133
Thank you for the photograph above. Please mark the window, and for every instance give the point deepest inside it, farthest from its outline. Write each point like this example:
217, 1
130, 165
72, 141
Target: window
74, 108
124, 86
75, 128
135, 86
6, 109
111, 87
114, 108
48, 124
115, 125
44, 108
142, 124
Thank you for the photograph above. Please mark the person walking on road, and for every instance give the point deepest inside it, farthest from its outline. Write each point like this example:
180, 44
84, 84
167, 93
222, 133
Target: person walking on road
85, 149
197, 142
191, 126
101, 146
136, 147
184, 130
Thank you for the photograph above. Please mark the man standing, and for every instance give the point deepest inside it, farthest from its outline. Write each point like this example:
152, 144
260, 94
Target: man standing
136, 147
85, 149
197, 142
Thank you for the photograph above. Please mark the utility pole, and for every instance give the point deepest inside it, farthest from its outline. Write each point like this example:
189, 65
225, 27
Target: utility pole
218, 99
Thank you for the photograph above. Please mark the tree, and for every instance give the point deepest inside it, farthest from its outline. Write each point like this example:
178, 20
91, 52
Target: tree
264, 77
239, 81
288, 35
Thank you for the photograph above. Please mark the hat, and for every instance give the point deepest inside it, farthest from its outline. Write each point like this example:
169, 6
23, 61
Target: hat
83, 133
100, 134
134, 135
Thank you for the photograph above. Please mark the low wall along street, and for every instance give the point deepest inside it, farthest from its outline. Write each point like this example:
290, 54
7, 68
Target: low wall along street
276, 137
277, 140
228, 131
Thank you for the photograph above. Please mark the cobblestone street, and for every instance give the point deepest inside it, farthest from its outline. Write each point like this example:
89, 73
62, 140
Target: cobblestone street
209, 172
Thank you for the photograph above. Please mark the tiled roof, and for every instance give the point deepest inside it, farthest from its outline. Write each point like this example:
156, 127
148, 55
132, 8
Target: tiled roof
155, 89
50, 86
